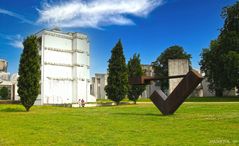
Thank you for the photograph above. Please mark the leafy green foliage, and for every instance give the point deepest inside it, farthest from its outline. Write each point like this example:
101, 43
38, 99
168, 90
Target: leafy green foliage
220, 62
134, 70
4, 93
161, 64
212, 65
117, 87
29, 73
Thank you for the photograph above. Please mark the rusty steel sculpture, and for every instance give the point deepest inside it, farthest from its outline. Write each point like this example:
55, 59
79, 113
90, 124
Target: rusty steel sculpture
168, 105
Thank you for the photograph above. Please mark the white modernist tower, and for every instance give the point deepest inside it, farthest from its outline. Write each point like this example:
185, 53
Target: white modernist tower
65, 67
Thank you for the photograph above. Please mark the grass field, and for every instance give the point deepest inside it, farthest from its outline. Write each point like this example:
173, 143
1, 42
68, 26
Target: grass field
195, 123
191, 99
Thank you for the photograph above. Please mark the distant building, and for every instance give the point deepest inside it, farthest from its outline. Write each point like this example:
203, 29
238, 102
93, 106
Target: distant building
98, 86
13, 79
4, 76
65, 67
3, 65
99, 81
208, 93
5, 79
148, 71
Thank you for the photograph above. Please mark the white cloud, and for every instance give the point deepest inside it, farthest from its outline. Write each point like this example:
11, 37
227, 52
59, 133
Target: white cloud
13, 40
94, 13
10, 13
17, 44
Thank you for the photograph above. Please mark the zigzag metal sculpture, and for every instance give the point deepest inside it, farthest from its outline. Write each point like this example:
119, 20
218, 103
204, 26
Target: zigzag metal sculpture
168, 105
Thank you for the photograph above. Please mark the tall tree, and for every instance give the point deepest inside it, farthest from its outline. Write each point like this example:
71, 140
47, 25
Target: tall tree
117, 86
134, 70
29, 73
161, 64
220, 62
4, 93
212, 65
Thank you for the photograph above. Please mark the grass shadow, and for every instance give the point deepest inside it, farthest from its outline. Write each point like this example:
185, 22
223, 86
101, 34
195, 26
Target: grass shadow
142, 114
12, 110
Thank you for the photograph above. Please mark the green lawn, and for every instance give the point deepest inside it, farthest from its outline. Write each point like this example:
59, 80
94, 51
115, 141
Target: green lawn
191, 99
195, 123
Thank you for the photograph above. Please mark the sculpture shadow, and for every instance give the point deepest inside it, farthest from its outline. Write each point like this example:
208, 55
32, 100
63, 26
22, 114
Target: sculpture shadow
141, 114
12, 110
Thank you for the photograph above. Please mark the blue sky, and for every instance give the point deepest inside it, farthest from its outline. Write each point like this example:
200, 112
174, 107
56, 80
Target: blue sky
147, 27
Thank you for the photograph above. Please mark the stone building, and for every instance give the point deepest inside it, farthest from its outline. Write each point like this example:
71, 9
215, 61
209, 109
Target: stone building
13, 79
176, 67
98, 86
65, 67
148, 71
5, 79
3, 65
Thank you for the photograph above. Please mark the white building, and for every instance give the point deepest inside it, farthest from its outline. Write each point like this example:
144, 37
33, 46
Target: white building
6, 81
65, 67
98, 86
14, 82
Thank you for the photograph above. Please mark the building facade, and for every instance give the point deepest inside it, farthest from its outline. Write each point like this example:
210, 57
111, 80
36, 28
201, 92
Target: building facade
98, 86
148, 70
5, 80
3, 65
65, 67
176, 67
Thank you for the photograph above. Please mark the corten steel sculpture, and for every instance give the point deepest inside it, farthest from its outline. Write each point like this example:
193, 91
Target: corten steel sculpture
168, 105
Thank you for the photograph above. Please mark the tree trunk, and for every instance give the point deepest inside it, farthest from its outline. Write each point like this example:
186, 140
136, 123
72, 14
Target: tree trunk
27, 109
134, 101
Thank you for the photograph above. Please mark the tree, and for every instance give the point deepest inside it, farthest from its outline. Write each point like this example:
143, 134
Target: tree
134, 70
161, 64
29, 73
221, 62
117, 87
4, 93
212, 66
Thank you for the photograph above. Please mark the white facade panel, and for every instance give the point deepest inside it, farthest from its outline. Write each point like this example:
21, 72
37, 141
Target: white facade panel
58, 42
82, 45
58, 91
58, 57
53, 71
82, 58
83, 72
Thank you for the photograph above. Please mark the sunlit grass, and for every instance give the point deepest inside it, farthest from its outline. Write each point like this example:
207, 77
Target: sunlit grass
197, 123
